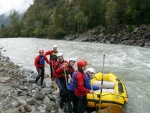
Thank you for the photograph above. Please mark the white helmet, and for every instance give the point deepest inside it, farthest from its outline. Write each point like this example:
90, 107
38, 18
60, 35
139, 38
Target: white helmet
72, 59
59, 54
54, 46
91, 70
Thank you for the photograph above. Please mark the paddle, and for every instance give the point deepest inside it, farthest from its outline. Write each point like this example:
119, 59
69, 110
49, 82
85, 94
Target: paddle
94, 99
112, 109
101, 83
69, 103
54, 85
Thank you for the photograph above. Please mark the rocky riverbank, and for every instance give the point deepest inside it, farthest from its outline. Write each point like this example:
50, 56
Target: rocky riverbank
135, 36
19, 93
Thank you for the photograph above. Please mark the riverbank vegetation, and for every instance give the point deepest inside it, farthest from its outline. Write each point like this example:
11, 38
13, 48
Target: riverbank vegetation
57, 18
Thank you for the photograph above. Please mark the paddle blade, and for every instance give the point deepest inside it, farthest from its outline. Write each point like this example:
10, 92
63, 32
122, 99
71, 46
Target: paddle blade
111, 109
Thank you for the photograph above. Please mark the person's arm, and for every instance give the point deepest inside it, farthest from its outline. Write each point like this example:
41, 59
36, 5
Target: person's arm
63, 67
55, 68
95, 87
36, 62
48, 53
46, 59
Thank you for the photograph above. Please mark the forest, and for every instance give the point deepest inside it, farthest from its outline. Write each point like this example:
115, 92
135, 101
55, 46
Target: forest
58, 18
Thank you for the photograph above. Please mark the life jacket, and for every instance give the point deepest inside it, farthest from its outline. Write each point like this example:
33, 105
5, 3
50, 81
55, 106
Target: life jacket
41, 60
75, 83
53, 56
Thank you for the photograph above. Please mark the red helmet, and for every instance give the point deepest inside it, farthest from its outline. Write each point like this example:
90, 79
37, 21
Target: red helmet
41, 51
81, 63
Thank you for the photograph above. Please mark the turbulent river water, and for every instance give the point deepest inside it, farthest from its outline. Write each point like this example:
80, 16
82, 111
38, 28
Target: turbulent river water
130, 63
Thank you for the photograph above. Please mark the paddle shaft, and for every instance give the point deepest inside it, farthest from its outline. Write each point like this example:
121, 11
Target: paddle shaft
52, 69
94, 99
101, 83
65, 77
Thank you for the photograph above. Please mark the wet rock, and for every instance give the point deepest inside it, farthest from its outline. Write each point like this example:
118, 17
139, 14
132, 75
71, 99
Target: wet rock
70, 37
15, 104
30, 101
47, 90
2, 69
49, 107
34, 86
7, 59
4, 79
24, 88
34, 75
40, 108
39, 95
42, 111
147, 44
54, 111
146, 36
21, 109
103, 40
46, 100
27, 108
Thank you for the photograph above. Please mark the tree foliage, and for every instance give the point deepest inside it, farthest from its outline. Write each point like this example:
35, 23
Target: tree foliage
57, 18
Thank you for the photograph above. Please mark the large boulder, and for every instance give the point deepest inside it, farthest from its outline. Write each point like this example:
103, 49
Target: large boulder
38, 95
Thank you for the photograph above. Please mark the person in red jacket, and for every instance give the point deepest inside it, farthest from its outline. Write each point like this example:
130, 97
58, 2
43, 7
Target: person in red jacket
80, 89
39, 63
64, 70
60, 60
53, 58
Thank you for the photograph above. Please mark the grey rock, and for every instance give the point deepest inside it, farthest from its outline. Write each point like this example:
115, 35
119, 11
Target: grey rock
49, 107
27, 108
40, 108
47, 90
42, 111
39, 95
147, 44
15, 104
46, 100
30, 101
54, 111
34, 86
112, 40
135, 30
24, 88
103, 40
34, 75
2, 69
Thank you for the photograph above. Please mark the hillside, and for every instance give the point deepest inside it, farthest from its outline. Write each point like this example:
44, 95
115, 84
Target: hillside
58, 18
4, 20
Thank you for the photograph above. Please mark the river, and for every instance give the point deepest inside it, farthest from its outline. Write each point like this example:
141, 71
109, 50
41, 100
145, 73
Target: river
130, 63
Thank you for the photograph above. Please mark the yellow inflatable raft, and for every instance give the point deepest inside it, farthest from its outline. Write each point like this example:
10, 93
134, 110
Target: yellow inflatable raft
113, 93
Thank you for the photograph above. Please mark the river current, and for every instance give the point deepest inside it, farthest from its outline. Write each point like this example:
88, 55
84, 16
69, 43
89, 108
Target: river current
130, 63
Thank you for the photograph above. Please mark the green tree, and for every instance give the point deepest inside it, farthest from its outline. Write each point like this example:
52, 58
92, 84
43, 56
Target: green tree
111, 16
15, 24
81, 21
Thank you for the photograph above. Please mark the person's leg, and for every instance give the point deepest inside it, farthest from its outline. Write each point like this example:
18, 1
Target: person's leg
82, 103
51, 70
62, 87
73, 99
39, 75
42, 75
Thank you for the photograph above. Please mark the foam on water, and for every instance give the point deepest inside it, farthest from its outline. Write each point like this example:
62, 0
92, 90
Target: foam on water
131, 64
